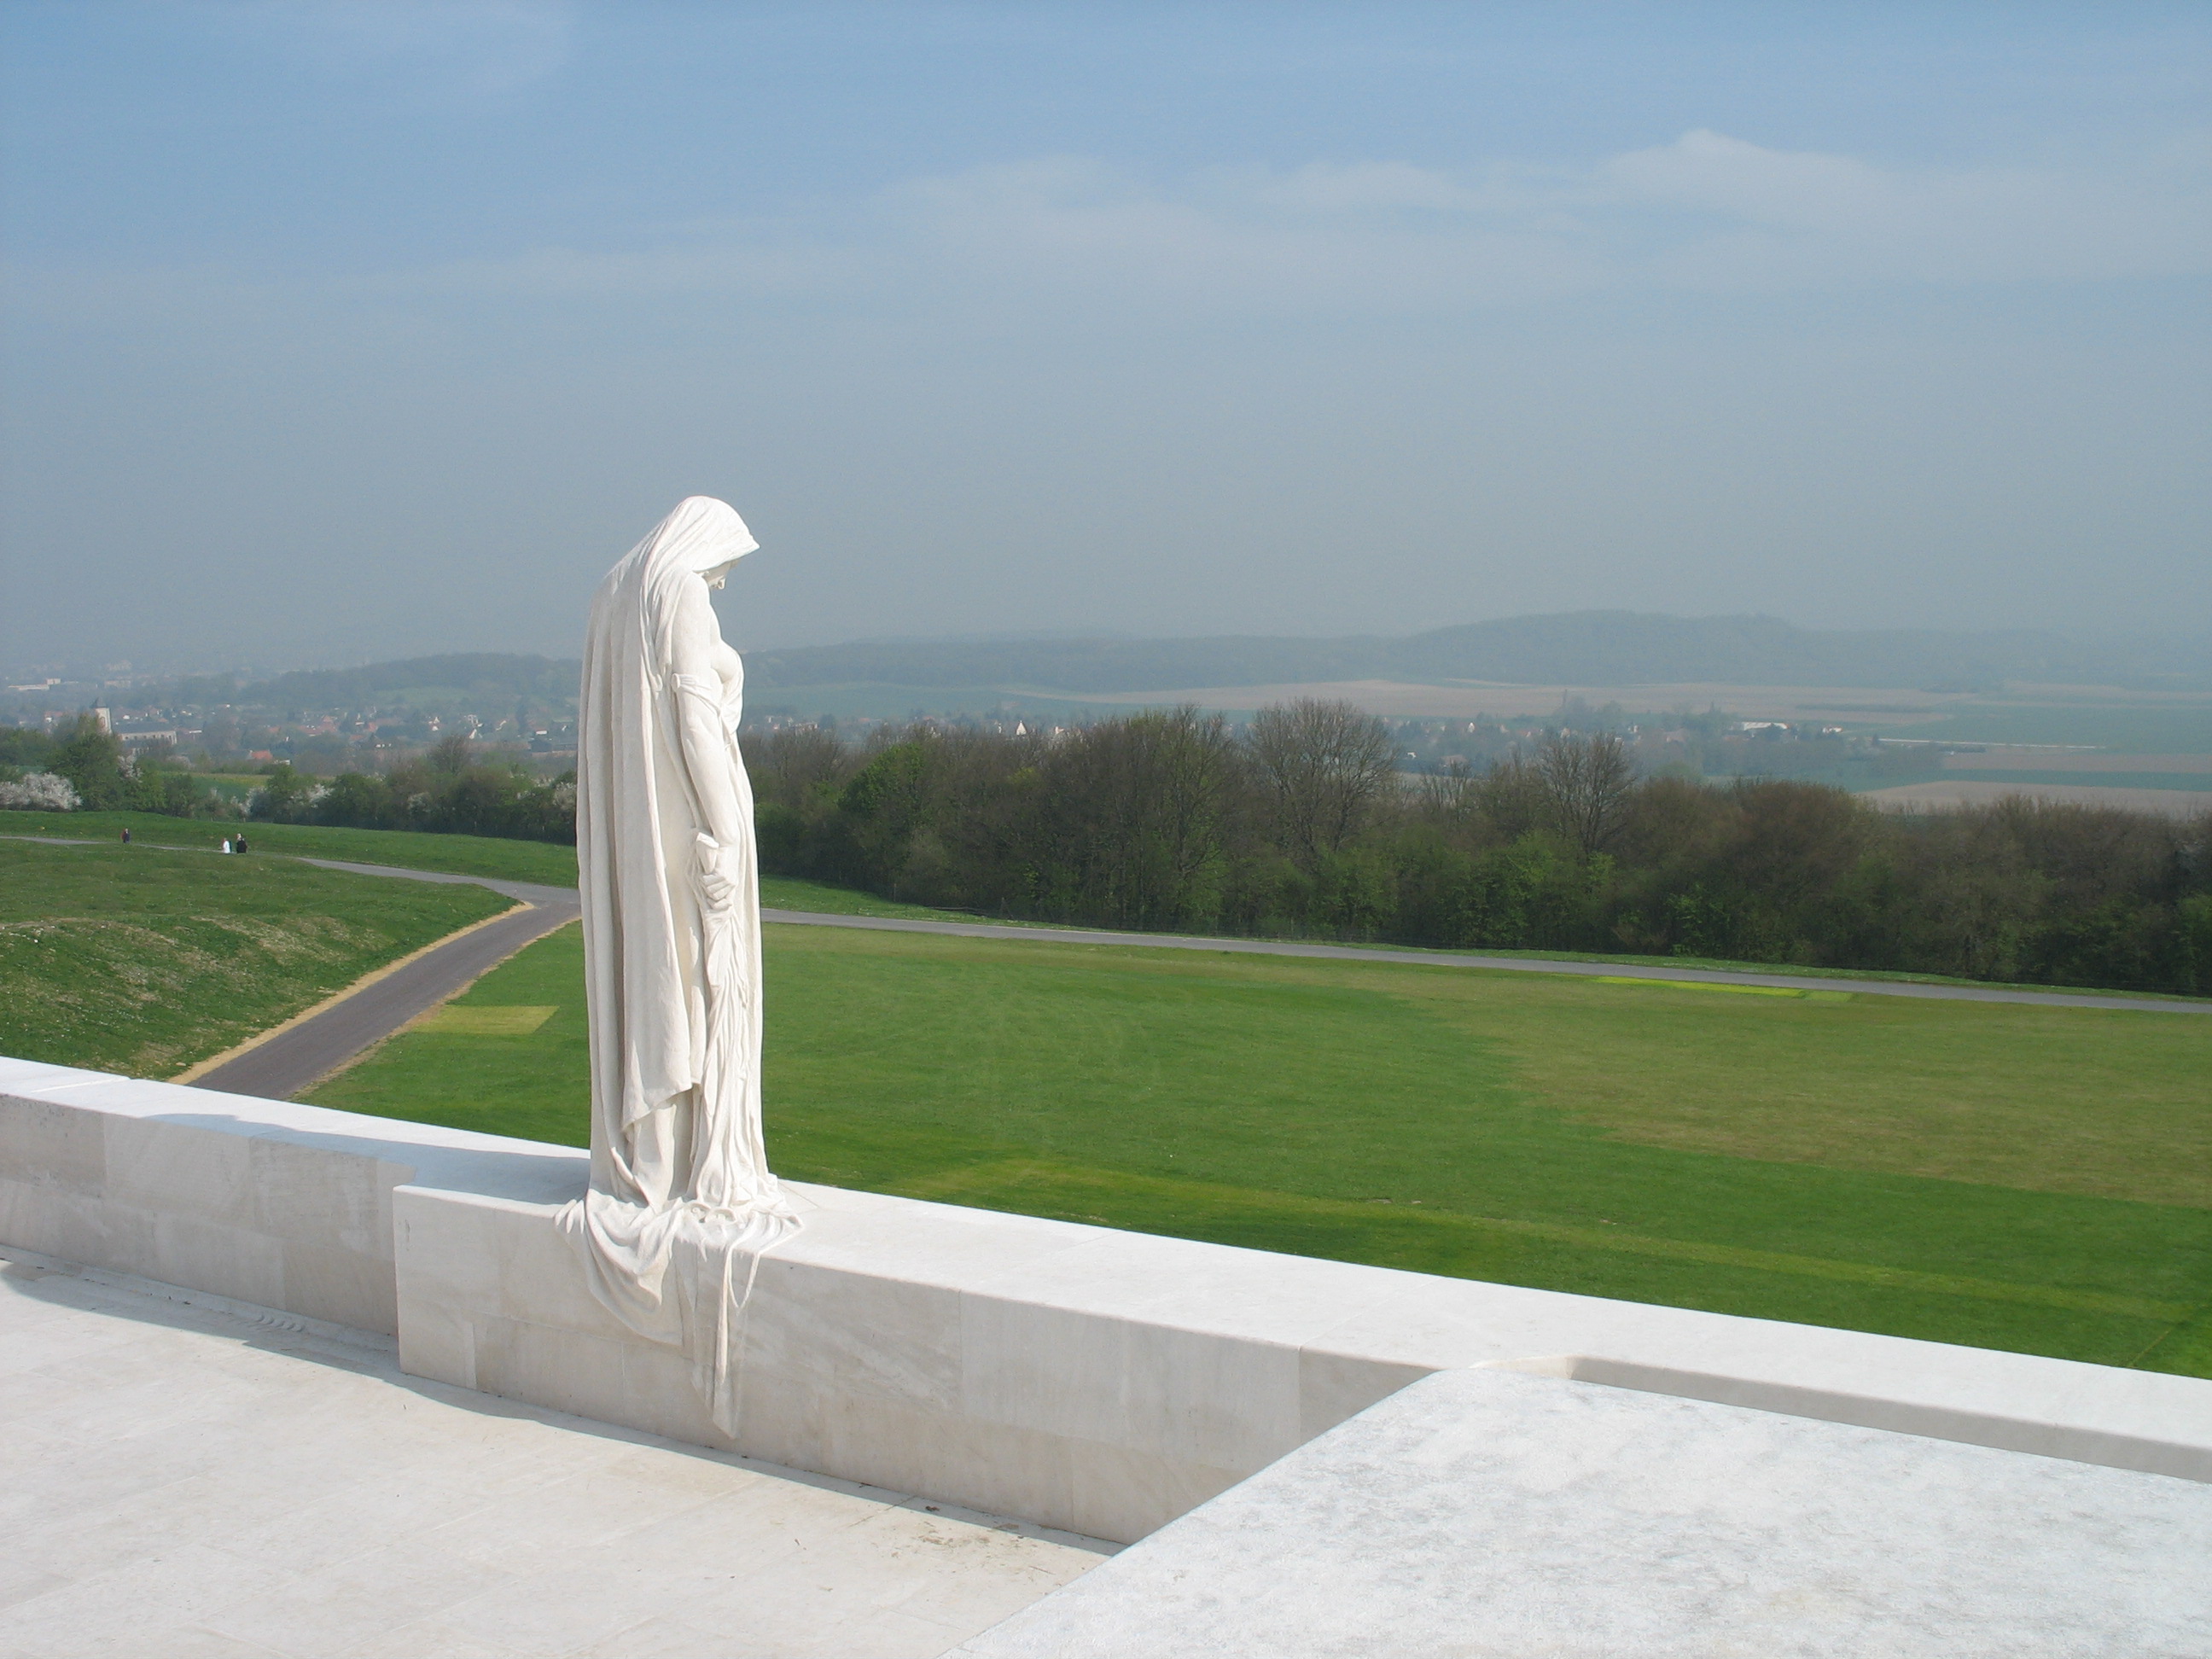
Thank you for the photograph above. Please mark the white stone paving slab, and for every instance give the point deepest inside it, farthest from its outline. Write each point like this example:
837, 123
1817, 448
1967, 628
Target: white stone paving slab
180, 1479
1484, 1513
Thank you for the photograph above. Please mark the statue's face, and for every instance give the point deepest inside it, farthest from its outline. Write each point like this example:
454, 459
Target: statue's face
719, 575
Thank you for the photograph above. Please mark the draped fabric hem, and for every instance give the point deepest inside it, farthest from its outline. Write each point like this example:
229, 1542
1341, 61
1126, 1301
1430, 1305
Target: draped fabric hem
680, 1274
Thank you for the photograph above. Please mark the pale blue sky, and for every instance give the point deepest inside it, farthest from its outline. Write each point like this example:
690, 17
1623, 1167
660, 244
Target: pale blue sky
340, 331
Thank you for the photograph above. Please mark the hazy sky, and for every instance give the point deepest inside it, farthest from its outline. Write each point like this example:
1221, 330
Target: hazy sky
352, 331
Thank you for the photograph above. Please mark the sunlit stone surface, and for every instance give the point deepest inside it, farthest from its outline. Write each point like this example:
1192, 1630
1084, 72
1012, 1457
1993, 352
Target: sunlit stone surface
177, 1481
1482, 1513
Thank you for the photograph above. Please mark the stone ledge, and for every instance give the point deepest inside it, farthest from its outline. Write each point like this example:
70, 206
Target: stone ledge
1100, 1381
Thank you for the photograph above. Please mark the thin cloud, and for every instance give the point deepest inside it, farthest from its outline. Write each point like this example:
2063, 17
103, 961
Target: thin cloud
1777, 218
1707, 212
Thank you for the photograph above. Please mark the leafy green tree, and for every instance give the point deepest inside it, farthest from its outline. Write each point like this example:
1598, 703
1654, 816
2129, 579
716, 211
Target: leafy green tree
92, 760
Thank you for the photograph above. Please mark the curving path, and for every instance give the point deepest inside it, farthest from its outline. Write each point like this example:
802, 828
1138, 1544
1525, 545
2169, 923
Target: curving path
284, 1063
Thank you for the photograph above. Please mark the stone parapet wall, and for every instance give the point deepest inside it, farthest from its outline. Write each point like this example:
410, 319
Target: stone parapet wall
285, 1206
1100, 1381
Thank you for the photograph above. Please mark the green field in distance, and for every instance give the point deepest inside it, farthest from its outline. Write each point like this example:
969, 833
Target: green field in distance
2033, 1179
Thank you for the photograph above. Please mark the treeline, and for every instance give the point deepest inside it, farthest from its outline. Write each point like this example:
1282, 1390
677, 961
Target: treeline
452, 790
98, 775
448, 792
1301, 826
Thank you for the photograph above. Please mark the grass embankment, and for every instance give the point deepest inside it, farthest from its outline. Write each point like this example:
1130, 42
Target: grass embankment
143, 960
2036, 1179
406, 849
462, 855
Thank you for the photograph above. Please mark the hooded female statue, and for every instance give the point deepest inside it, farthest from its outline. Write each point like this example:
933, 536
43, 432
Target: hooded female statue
682, 1203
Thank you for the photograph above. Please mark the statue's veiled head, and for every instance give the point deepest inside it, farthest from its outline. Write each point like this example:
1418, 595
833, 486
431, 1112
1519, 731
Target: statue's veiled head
703, 536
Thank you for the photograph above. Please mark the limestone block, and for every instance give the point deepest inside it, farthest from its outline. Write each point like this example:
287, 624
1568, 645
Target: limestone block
342, 1285
1124, 1494
859, 1334
438, 1343
1493, 1516
179, 1169
1332, 1387
318, 1195
47, 1143
1057, 1370
208, 1255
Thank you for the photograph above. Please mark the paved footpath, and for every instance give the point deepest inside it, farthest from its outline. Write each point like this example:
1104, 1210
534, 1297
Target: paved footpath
282, 1065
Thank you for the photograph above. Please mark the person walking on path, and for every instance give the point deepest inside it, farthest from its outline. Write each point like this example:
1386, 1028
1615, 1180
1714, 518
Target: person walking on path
241, 843
226, 844
126, 834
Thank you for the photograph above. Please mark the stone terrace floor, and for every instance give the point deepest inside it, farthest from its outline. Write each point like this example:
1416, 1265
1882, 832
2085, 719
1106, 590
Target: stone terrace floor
180, 1478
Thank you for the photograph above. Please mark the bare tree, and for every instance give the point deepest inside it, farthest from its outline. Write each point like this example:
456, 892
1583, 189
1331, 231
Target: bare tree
1587, 779
1324, 765
789, 766
1452, 797
1136, 815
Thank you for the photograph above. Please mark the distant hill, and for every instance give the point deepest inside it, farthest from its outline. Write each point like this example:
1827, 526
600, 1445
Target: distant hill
1587, 647
492, 679
1581, 647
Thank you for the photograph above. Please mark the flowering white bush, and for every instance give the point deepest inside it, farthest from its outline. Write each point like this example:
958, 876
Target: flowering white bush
41, 792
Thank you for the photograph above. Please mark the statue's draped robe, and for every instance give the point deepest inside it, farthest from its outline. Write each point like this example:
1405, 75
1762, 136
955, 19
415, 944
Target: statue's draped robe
681, 1202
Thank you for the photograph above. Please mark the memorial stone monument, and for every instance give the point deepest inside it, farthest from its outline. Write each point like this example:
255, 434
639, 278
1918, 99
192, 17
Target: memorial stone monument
682, 1205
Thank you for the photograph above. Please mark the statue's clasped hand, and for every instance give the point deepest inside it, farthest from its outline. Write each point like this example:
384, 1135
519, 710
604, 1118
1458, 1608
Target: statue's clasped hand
718, 883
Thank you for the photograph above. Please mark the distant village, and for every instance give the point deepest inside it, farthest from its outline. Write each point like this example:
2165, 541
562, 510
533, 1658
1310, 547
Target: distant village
228, 727
218, 724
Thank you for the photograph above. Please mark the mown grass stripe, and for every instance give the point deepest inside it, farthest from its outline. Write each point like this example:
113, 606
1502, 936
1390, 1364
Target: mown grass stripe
1733, 990
1028, 1178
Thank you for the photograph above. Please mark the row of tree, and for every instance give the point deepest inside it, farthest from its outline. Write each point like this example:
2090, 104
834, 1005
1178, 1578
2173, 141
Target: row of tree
85, 767
452, 790
1300, 826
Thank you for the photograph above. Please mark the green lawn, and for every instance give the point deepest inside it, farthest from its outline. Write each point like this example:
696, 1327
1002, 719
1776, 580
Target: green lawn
2026, 1178
144, 961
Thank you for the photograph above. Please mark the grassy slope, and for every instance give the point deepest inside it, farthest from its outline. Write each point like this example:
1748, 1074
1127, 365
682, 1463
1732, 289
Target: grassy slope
465, 855
1927, 1170
141, 961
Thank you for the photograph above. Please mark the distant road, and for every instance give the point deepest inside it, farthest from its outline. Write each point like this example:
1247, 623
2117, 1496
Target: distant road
1878, 987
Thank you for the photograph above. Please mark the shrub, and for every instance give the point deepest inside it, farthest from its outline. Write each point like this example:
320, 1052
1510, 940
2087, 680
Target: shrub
40, 791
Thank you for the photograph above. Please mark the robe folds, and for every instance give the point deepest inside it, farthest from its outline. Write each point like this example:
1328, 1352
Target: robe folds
681, 1203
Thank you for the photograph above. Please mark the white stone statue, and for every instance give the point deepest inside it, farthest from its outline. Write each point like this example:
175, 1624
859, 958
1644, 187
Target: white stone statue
682, 1203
